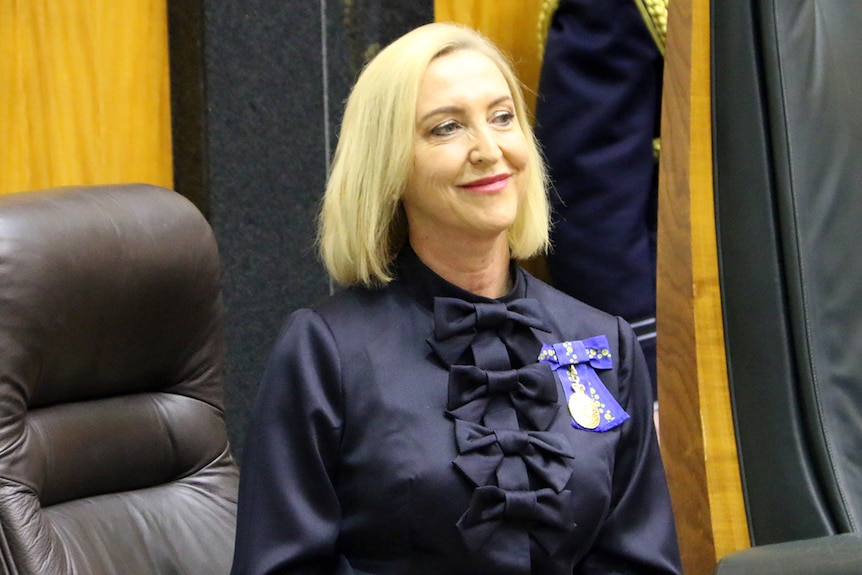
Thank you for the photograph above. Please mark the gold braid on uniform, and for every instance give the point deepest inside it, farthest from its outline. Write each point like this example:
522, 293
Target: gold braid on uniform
654, 13
546, 12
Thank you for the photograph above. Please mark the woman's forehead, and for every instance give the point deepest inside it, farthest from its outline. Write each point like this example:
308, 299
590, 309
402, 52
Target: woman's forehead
463, 74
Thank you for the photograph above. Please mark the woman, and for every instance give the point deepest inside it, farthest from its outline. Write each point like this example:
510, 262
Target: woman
447, 413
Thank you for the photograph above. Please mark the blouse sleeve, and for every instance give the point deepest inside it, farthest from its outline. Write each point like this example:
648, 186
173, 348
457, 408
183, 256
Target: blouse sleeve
638, 535
288, 515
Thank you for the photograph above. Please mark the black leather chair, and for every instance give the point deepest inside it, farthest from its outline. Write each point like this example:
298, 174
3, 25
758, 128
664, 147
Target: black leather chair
114, 458
787, 127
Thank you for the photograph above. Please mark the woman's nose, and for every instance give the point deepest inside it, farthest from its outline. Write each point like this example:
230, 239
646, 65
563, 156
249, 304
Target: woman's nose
486, 149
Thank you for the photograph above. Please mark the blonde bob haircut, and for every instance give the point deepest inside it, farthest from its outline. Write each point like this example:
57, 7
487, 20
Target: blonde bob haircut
362, 225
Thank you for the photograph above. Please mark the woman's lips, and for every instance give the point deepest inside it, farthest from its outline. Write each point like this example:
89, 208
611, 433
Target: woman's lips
490, 185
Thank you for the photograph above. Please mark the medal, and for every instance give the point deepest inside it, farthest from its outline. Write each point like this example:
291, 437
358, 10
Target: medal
591, 406
581, 407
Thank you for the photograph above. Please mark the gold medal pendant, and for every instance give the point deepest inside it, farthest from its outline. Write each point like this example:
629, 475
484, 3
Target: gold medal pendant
581, 407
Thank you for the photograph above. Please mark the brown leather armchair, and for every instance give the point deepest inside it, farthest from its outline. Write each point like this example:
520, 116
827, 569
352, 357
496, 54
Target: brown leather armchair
114, 457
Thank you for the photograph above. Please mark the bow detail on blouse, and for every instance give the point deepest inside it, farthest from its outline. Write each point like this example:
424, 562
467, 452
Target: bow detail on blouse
502, 403
532, 390
483, 452
458, 322
453, 316
497, 518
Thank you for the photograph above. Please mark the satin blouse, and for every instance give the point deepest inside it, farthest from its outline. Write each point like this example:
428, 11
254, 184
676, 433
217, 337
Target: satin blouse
413, 430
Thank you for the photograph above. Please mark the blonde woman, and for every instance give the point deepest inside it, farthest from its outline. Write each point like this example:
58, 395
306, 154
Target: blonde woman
446, 412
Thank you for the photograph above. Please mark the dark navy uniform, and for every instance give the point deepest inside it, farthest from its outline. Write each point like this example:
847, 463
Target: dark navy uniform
597, 116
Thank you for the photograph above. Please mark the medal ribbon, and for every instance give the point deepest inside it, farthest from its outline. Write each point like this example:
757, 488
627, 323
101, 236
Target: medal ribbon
591, 405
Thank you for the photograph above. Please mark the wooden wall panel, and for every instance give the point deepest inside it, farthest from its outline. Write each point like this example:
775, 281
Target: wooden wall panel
84, 93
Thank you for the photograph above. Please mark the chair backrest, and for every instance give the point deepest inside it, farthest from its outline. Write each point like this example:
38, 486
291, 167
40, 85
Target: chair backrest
788, 190
760, 350
114, 455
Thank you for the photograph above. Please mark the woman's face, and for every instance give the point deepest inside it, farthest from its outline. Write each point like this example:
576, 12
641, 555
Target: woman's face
469, 153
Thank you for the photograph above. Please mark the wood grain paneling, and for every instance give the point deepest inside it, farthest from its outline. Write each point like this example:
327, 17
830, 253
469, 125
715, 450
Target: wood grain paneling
698, 441
84, 93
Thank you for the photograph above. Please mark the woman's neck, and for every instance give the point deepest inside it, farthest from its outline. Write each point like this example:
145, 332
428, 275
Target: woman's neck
479, 269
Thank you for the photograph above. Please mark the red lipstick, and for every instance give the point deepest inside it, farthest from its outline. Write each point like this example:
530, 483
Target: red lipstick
489, 185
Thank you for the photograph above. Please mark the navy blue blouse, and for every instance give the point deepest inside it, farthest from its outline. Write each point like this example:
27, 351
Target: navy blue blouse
412, 430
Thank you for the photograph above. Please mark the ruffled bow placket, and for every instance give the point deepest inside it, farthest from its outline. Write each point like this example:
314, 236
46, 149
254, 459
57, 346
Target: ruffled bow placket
500, 398
503, 402
487, 455
493, 331
591, 405
497, 523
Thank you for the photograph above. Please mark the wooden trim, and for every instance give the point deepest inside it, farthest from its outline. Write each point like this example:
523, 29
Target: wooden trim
698, 440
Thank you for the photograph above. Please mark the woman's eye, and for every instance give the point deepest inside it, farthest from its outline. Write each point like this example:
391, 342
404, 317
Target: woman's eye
503, 118
444, 129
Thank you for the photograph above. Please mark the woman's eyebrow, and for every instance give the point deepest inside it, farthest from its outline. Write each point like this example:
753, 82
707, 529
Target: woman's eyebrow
442, 110
458, 109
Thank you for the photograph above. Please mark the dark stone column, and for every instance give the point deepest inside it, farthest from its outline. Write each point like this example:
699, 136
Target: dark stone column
257, 92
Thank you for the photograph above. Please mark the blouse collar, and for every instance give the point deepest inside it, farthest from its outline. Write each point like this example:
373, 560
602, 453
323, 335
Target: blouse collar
424, 284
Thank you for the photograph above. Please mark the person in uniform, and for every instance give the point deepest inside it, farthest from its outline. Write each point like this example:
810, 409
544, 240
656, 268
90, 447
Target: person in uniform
446, 413
597, 120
